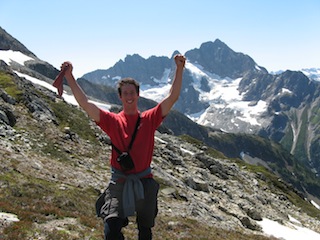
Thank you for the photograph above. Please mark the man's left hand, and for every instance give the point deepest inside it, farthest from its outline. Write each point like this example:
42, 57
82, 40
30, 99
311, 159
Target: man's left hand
180, 60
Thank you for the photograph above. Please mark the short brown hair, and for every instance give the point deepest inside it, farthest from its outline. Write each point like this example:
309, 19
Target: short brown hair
128, 81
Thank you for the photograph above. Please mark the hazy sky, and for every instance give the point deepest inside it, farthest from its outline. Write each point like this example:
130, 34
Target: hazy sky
277, 34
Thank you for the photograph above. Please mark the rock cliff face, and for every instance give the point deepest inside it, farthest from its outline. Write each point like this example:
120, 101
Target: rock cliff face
7, 42
46, 154
216, 57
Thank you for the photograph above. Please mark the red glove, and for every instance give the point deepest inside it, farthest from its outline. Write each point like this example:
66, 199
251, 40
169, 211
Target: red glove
58, 82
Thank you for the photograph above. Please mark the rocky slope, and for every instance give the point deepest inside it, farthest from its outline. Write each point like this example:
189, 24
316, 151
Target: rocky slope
54, 164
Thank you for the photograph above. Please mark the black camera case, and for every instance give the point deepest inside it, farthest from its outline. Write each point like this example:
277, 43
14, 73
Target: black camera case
125, 161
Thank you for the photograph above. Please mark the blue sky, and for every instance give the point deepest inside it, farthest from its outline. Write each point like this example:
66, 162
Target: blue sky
277, 34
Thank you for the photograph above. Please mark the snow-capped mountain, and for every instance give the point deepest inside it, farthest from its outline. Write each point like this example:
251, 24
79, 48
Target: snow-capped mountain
227, 90
210, 95
210, 85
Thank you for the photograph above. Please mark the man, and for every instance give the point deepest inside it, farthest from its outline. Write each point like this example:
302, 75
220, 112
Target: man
130, 190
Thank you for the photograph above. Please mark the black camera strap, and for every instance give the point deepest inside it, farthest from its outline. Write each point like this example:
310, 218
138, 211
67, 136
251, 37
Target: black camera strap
132, 138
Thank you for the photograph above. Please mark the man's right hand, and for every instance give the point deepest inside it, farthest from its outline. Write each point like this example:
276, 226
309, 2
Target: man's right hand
67, 67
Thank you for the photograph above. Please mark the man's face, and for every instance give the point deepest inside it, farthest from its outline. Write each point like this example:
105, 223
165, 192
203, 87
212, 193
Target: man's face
129, 95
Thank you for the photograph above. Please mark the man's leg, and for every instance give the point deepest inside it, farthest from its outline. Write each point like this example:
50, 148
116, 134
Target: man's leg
112, 229
111, 209
145, 233
147, 209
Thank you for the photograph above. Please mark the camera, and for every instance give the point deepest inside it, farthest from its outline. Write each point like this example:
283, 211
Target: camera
125, 161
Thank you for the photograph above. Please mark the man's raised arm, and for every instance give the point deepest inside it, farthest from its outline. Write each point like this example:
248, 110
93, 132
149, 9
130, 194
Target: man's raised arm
92, 110
174, 93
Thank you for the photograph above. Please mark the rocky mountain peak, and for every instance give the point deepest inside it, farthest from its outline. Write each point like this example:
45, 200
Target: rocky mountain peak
175, 53
146, 71
7, 42
216, 44
216, 57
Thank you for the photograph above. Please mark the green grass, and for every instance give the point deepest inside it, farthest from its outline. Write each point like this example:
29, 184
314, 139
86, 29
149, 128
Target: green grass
315, 115
38, 201
301, 151
210, 151
287, 140
7, 83
75, 119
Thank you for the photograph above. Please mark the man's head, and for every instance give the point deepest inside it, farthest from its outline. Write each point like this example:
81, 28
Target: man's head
125, 81
128, 90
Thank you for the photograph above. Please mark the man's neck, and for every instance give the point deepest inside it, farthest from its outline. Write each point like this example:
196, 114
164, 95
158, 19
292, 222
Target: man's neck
131, 111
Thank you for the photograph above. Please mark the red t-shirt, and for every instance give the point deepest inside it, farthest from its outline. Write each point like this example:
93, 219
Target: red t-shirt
120, 128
